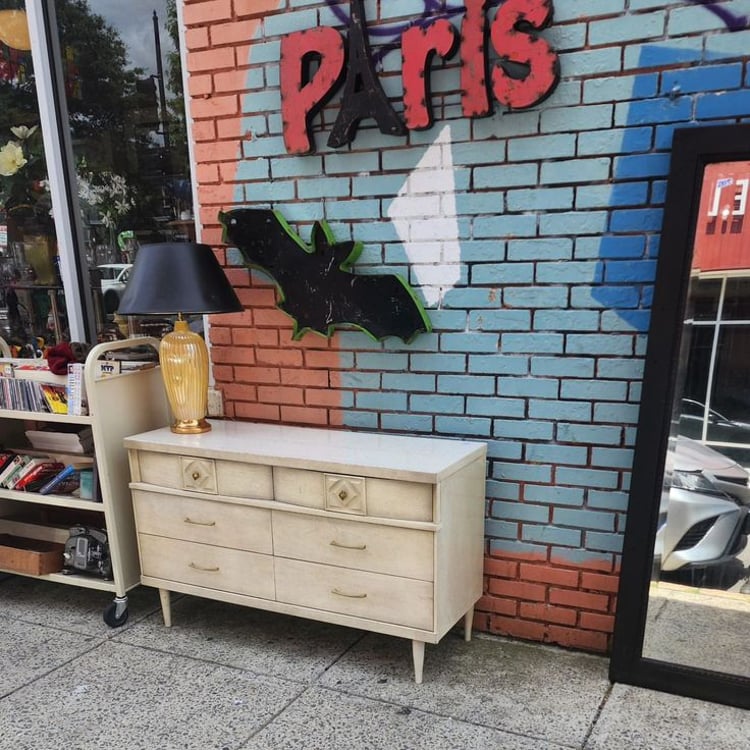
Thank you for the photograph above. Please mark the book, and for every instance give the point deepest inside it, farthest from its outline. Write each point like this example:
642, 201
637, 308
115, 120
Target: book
10, 466
55, 396
59, 482
76, 390
37, 474
13, 468
62, 441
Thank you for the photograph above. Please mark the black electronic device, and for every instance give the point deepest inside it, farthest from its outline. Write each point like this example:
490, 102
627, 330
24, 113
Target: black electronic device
87, 551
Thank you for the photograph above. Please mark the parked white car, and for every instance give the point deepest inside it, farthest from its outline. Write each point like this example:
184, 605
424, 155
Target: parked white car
114, 277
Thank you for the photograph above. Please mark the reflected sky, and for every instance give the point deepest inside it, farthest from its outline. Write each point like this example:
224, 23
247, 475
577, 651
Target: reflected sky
133, 20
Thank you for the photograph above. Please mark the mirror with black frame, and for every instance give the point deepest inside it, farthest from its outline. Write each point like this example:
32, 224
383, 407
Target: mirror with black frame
684, 599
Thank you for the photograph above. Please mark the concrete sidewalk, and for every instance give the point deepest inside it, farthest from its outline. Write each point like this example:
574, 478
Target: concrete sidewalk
230, 677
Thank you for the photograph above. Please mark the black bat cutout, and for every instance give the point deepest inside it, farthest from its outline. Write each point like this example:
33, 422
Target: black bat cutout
316, 288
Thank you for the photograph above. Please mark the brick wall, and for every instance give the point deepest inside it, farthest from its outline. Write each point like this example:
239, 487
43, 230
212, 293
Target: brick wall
531, 236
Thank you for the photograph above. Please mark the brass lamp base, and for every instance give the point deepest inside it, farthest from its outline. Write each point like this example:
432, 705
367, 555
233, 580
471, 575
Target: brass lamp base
183, 357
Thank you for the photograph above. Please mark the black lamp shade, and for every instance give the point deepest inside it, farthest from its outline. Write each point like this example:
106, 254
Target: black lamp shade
177, 277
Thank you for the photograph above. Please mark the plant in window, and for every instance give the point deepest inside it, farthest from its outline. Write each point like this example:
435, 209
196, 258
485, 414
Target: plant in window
107, 193
23, 175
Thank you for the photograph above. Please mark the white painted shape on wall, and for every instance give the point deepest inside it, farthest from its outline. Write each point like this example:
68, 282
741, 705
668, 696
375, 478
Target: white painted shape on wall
424, 215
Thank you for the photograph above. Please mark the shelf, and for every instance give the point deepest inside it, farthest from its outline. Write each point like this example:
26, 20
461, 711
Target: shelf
58, 501
86, 582
42, 416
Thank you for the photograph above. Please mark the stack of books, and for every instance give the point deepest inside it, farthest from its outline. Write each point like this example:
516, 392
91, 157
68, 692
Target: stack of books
59, 441
19, 471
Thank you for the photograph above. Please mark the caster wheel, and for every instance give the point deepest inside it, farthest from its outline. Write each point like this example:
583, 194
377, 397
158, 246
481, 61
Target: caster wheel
112, 618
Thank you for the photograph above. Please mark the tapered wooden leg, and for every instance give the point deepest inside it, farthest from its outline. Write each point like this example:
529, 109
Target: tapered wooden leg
468, 621
417, 653
166, 607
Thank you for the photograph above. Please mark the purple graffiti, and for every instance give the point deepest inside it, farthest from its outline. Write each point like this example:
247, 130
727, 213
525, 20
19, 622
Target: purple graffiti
733, 21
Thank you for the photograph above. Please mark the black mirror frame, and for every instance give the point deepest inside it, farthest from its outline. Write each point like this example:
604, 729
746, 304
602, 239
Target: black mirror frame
692, 149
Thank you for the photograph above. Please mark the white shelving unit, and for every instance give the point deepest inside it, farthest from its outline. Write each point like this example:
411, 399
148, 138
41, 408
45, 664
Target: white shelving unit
119, 405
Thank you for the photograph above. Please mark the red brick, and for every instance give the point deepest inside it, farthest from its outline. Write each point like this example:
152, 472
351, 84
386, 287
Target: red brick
199, 85
304, 415
213, 59
219, 335
256, 411
218, 151
500, 568
238, 392
204, 130
212, 10
281, 357
586, 640
335, 418
322, 397
257, 7
579, 599
307, 378
547, 574
498, 605
281, 395
257, 375
196, 38
547, 613
530, 631
517, 589
222, 373
595, 564
598, 582
591, 621
206, 174
322, 359
233, 32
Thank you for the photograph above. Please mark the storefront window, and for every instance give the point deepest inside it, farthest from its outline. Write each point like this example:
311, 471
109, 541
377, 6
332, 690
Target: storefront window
32, 308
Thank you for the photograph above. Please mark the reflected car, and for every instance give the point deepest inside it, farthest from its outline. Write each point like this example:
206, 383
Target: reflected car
704, 518
720, 429
114, 277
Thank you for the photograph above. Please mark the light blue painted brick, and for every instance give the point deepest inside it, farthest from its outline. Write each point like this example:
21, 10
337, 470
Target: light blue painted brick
495, 407
595, 390
528, 387
552, 146
433, 404
536, 297
572, 119
500, 320
604, 542
573, 10
348, 210
470, 426
616, 297
253, 169
268, 145
615, 141
361, 420
566, 37
505, 450
330, 187
499, 364
692, 19
377, 231
725, 46
382, 361
617, 413
488, 202
557, 248
629, 271
266, 52
407, 423
619, 88
521, 512
574, 222
409, 382
551, 535
620, 194
704, 78
626, 28
588, 434
437, 363
566, 94
653, 111
448, 320
472, 342
357, 380
566, 320
551, 495
638, 320
620, 369
506, 225
557, 454
598, 344
380, 184
350, 162
502, 490
466, 384
511, 546
467, 154
540, 199
273, 191
615, 458
482, 250
299, 211
666, 52
523, 472
586, 557
634, 392
506, 124
574, 411
563, 367
381, 400
601, 500
508, 175
522, 430
501, 529
295, 166
532, 343
571, 272
591, 62
575, 171
502, 273
584, 519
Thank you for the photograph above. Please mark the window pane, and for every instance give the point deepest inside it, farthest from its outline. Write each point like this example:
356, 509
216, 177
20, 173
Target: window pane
32, 307
737, 300
703, 299
123, 86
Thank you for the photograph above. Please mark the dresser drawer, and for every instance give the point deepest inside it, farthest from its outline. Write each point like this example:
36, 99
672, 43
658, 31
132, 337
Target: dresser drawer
205, 521
343, 493
205, 565
351, 544
196, 474
372, 596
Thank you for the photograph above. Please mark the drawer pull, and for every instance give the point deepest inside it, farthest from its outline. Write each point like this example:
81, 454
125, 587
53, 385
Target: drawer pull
199, 523
196, 476
205, 570
334, 543
348, 596
342, 495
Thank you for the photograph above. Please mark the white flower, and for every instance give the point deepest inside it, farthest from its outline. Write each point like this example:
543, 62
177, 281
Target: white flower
11, 159
22, 132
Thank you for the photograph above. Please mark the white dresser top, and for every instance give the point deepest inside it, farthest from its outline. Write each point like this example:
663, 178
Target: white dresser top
415, 459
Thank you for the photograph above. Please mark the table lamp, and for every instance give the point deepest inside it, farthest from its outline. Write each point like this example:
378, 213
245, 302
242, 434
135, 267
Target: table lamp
180, 278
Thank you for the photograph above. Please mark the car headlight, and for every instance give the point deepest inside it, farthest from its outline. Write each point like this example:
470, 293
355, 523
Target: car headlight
694, 481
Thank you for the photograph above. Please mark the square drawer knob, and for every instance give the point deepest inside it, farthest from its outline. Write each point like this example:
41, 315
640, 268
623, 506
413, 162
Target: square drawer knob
345, 494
